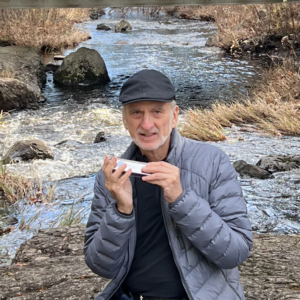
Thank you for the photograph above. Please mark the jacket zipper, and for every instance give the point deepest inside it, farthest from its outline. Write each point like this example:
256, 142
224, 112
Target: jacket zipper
135, 221
178, 235
168, 234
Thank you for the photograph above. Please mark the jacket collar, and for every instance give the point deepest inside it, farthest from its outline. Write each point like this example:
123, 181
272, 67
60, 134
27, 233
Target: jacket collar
176, 146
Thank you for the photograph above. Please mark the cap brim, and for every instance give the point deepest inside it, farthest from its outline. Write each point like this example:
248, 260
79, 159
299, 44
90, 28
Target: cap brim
140, 100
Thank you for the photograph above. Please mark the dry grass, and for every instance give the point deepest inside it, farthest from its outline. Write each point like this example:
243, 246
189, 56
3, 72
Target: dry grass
274, 108
242, 22
16, 187
46, 29
151, 11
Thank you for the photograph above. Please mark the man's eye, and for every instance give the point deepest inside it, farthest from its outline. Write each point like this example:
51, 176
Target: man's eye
157, 111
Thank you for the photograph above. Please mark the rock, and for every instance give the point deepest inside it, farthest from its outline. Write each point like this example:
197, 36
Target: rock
97, 13
10, 220
121, 43
279, 163
26, 66
100, 137
123, 26
85, 66
245, 169
212, 41
51, 67
15, 94
51, 266
69, 144
26, 150
102, 26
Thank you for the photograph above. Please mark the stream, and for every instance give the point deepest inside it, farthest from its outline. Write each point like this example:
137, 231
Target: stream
71, 118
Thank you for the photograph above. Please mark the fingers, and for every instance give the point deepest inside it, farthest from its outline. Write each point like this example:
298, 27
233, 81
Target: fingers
109, 164
161, 167
108, 168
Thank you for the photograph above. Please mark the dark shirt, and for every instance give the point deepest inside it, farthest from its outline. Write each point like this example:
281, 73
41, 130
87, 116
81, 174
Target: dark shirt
153, 272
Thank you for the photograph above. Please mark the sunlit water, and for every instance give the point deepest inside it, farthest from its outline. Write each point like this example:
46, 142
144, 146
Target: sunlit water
200, 75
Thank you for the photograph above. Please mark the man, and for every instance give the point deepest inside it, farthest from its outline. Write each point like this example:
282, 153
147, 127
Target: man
178, 233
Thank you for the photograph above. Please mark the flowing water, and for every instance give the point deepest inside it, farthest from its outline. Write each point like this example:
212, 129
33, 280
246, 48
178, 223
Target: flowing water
70, 119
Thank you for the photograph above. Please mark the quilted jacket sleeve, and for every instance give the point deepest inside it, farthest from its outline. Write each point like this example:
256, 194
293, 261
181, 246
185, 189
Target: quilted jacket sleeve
107, 233
217, 226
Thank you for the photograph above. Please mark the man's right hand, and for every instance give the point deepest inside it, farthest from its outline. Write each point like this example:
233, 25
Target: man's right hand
118, 184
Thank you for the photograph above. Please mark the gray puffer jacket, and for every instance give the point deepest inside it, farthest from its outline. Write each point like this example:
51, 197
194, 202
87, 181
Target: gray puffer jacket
207, 226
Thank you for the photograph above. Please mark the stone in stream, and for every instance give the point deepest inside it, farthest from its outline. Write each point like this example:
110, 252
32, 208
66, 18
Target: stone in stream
245, 169
27, 150
123, 26
85, 66
102, 26
279, 163
51, 266
121, 43
100, 137
10, 220
22, 75
212, 41
15, 94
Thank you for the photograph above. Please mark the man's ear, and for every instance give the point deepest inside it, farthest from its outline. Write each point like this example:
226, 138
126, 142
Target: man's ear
175, 116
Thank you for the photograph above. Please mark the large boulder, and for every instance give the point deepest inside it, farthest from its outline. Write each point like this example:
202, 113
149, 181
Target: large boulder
27, 150
15, 94
248, 170
25, 65
85, 66
123, 26
279, 163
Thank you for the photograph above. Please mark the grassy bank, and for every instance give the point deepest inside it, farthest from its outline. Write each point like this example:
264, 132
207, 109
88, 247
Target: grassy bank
273, 107
46, 29
244, 27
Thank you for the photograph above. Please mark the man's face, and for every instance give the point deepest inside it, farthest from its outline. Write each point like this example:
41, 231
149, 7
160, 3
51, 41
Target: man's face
150, 123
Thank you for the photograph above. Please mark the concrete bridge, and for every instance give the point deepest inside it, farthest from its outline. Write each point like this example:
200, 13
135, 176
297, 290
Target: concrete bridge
124, 3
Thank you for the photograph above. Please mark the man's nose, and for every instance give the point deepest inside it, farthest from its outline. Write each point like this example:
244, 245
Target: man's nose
147, 122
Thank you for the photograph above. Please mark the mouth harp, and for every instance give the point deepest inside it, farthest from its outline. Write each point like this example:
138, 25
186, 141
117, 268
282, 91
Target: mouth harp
135, 166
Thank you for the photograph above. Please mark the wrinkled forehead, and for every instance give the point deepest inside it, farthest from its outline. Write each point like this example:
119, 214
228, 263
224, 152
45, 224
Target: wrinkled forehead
147, 105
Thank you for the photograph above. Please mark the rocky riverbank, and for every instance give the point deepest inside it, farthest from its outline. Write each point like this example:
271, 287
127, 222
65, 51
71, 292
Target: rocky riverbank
51, 266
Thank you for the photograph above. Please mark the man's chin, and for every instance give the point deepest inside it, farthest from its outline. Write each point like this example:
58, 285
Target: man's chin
147, 147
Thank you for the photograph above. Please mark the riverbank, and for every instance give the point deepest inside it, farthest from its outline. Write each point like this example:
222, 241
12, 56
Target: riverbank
272, 106
45, 29
54, 259
268, 29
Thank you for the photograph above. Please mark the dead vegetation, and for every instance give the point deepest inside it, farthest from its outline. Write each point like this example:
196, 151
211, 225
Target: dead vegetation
251, 24
45, 29
17, 187
273, 107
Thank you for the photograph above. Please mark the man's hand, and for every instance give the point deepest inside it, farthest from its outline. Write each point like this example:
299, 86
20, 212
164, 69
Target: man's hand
119, 185
165, 175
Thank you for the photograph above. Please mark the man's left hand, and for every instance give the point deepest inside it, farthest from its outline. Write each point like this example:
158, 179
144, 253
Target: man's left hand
165, 175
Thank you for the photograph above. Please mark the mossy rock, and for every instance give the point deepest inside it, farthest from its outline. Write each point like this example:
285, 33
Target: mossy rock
85, 66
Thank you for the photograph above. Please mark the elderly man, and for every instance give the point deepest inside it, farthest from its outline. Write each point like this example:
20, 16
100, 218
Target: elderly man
178, 233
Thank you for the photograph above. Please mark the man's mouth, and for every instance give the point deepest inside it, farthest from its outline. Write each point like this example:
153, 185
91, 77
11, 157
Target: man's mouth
147, 134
